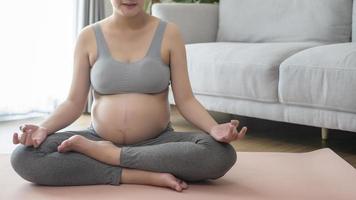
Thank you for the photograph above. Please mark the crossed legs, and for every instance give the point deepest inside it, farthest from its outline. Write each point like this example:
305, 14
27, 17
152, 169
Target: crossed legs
80, 158
107, 152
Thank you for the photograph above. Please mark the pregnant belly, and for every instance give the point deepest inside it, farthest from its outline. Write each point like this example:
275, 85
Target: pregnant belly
130, 118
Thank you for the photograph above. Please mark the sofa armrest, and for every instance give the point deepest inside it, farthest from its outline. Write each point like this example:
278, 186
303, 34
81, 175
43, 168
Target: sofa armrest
198, 23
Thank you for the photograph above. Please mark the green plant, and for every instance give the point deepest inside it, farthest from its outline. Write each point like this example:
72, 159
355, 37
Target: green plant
147, 6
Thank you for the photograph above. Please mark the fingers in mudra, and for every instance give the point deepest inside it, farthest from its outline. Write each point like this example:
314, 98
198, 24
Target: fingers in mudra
28, 128
26, 136
233, 129
23, 138
242, 132
26, 139
15, 138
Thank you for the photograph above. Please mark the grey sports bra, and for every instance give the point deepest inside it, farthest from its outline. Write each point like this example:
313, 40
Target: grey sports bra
147, 75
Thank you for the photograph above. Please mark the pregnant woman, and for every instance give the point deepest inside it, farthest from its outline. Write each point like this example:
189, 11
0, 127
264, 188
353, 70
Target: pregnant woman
129, 59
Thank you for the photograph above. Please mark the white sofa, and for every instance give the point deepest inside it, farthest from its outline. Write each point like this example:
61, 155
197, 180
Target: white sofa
284, 60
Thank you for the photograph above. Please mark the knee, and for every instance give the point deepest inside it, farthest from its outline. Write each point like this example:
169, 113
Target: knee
221, 157
23, 162
51, 143
223, 160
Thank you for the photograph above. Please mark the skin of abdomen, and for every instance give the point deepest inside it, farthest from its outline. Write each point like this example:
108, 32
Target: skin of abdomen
130, 117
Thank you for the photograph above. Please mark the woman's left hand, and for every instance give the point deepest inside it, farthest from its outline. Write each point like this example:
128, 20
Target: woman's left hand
227, 132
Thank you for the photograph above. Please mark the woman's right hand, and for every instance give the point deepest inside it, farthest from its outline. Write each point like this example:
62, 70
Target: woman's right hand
32, 135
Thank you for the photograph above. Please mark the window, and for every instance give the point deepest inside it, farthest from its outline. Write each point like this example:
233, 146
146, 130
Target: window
36, 48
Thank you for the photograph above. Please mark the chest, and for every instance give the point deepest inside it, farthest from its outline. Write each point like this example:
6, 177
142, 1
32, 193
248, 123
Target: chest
128, 48
148, 75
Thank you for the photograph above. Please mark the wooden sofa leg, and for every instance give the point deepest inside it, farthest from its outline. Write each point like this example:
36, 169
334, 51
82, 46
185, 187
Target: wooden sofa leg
324, 133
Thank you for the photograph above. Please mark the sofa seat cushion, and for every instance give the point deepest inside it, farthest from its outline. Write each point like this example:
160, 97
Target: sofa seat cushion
323, 77
239, 70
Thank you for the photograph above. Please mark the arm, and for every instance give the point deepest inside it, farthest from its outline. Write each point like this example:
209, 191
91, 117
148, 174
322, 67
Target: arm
71, 109
185, 101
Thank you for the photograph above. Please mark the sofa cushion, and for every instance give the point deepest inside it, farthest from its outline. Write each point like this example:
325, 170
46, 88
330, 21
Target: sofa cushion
239, 70
354, 23
285, 20
322, 77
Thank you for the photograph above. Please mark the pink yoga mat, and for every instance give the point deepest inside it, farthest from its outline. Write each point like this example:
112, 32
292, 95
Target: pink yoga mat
320, 174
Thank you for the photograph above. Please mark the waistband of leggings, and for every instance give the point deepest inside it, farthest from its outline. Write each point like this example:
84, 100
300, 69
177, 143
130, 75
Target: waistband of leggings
168, 128
92, 130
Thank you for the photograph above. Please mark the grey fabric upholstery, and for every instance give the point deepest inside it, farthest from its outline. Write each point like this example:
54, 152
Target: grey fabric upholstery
321, 77
197, 22
354, 22
310, 116
239, 70
241, 73
285, 20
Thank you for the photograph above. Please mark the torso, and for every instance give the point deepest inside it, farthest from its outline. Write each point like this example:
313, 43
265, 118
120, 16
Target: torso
128, 118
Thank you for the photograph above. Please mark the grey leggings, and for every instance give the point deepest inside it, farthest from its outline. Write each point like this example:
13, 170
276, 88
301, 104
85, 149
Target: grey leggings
191, 156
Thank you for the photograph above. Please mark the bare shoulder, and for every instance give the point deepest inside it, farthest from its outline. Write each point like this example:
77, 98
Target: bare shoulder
172, 30
86, 36
86, 43
173, 35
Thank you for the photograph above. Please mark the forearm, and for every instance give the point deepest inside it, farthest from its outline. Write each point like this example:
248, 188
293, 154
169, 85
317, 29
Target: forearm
196, 114
65, 114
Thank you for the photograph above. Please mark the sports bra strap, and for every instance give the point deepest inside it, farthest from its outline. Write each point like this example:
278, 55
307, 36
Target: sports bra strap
102, 48
153, 51
155, 47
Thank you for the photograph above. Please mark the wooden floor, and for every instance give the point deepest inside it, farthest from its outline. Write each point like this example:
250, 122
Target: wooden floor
263, 135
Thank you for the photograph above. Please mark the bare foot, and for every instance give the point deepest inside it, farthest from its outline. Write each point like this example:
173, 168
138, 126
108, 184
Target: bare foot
104, 151
135, 176
75, 143
168, 180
